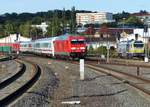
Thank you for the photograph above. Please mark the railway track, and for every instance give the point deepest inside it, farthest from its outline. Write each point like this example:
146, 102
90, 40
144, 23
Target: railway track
139, 83
124, 62
19, 83
5, 58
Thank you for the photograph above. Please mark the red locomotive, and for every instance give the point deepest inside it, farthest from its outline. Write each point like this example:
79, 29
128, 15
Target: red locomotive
70, 46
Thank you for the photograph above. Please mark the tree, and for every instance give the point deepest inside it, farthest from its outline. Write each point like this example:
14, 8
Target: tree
90, 50
54, 26
73, 21
143, 12
37, 20
9, 28
119, 16
1, 30
24, 29
60, 20
34, 32
134, 21
102, 50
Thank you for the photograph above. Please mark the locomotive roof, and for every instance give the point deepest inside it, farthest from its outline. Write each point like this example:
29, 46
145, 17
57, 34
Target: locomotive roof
24, 42
64, 37
61, 37
44, 39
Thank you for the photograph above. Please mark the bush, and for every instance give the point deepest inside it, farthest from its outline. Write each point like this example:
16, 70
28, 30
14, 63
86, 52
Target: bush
113, 52
90, 50
101, 50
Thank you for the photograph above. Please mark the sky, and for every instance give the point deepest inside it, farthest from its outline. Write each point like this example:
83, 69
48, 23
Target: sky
114, 6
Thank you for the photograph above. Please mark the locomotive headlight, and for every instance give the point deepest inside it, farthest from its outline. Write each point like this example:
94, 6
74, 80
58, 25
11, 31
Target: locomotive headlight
73, 48
82, 48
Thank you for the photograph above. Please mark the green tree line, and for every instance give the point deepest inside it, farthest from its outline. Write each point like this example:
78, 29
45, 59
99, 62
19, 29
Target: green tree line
59, 21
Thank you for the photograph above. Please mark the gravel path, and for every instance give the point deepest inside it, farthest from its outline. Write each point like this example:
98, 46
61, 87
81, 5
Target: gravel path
97, 90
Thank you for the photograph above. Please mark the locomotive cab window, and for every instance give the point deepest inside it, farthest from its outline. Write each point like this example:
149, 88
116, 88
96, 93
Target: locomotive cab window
81, 41
74, 41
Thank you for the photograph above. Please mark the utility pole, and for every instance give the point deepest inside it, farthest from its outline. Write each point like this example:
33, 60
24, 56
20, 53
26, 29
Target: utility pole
73, 22
107, 49
63, 21
146, 51
123, 23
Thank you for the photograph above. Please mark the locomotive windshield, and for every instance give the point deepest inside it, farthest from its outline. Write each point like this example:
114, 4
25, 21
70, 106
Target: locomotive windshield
138, 44
75, 41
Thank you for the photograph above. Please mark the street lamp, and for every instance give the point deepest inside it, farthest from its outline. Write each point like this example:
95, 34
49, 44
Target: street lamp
123, 24
108, 47
145, 32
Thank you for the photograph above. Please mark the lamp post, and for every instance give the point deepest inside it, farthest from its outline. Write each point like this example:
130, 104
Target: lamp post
145, 32
123, 23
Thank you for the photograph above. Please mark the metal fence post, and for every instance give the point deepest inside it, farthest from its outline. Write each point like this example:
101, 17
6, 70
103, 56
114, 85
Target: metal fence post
138, 70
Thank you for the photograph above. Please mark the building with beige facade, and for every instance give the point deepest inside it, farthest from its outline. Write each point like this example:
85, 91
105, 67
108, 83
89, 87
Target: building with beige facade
93, 18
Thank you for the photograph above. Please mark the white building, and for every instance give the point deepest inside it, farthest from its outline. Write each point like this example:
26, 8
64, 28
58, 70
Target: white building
95, 45
141, 35
42, 26
88, 18
14, 38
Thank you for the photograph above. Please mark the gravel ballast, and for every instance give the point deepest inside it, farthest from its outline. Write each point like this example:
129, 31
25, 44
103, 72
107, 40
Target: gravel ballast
61, 83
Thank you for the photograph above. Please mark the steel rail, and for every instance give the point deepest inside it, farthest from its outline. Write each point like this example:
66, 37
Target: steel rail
118, 62
17, 93
120, 75
11, 79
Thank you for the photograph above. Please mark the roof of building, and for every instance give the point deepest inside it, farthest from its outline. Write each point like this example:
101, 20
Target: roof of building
14, 38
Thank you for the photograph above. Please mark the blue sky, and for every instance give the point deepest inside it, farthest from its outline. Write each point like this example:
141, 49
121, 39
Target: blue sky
33, 6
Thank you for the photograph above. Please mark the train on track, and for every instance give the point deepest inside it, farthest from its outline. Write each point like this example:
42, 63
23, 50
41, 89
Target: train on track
66, 46
131, 48
9, 48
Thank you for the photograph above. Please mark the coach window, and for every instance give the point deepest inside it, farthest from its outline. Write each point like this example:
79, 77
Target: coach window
25, 45
37, 45
49, 45
45, 45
